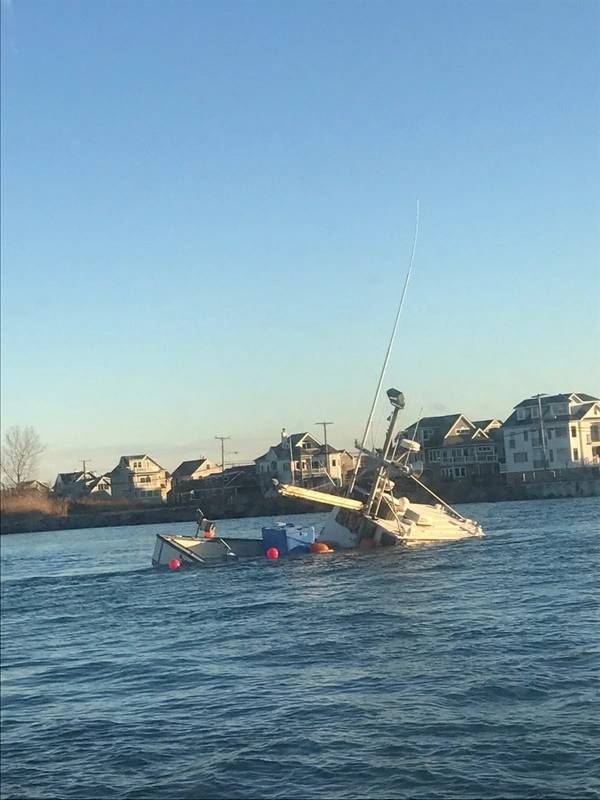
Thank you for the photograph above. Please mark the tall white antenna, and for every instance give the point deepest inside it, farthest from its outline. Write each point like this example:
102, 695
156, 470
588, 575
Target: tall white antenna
388, 353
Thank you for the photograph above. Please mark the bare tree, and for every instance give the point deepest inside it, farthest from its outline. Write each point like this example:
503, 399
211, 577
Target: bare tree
20, 452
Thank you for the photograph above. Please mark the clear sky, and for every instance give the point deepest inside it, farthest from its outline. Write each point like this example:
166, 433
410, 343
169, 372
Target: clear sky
208, 210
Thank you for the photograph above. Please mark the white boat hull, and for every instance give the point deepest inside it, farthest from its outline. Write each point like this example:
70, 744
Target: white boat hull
419, 524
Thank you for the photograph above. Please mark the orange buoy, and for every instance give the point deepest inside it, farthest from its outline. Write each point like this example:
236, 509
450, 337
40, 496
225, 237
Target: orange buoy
272, 553
209, 534
320, 547
174, 563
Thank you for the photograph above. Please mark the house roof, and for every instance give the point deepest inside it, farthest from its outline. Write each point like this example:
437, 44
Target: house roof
583, 409
73, 477
188, 467
556, 398
441, 427
485, 423
577, 412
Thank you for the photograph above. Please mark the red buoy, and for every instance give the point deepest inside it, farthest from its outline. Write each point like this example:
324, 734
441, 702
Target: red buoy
209, 534
272, 552
174, 563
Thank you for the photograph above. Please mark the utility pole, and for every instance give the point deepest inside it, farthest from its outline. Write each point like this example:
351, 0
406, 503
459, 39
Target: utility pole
83, 463
223, 439
325, 424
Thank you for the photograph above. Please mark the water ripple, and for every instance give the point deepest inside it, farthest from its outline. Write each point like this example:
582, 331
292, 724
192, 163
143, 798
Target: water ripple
458, 671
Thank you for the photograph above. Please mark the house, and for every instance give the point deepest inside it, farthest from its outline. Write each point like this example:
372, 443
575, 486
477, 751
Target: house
194, 470
559, 431
81, 484
301, 459
33, 486
455, 448
140, 477
235, 483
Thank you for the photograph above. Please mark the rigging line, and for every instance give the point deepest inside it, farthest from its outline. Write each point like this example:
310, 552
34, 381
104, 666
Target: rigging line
388, 353
443, 502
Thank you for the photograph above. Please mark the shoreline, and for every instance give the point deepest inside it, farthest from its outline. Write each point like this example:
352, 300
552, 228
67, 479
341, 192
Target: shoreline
39, 523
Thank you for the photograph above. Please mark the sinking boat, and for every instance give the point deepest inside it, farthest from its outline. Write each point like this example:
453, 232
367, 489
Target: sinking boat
382, 518
206, 547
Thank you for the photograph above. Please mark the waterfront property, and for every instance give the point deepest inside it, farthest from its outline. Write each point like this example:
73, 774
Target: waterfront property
140, 477
552, 432
301, 459
454, 448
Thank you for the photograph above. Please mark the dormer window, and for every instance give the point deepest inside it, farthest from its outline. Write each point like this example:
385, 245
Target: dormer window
521, 414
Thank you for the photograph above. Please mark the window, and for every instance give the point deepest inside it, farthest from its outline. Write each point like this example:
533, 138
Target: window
573, 432
551, 452
549, 433
535, 412
521, 414
560, 432
525, 436
575, 454
334, 462
595, 432
426, 434
512, 443
460, 472
520, 458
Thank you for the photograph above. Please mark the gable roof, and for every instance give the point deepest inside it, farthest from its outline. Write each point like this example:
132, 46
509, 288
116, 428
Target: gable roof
577, 411
73, 477
188, 467
441, 427
557, 398
584, 409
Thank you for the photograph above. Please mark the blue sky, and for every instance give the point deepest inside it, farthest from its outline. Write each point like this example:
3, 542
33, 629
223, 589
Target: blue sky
208, 209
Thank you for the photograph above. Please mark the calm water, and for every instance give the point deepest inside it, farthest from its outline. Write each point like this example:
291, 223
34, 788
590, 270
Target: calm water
466, 670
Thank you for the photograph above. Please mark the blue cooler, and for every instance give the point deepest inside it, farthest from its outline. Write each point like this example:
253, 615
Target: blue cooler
288, 539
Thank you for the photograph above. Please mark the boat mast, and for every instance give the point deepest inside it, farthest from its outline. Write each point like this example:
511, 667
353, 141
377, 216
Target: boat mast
387, 356
397, 400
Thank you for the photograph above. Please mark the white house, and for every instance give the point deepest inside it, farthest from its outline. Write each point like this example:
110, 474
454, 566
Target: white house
301, 459
140, 478
558, 431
